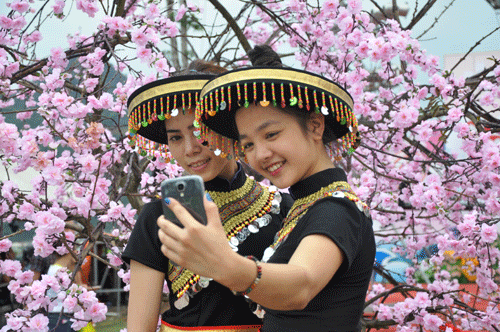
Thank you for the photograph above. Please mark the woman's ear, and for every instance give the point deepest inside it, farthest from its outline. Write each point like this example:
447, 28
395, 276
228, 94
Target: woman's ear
316, 126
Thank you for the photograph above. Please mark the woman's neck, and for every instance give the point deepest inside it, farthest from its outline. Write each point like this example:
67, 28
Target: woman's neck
229, 170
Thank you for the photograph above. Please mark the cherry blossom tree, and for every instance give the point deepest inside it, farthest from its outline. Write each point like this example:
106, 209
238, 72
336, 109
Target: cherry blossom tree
421, 194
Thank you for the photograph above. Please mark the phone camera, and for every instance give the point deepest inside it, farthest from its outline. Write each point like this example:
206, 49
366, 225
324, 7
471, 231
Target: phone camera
181, 186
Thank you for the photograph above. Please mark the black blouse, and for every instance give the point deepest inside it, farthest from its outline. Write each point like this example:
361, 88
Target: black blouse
339, 306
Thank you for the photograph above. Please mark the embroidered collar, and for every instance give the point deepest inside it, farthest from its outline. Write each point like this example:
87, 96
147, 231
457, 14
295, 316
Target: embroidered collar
243, 211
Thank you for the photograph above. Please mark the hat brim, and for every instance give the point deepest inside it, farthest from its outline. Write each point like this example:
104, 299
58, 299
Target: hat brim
154, 102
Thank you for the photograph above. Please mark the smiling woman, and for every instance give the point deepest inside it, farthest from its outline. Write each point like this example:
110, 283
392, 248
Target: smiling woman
289, 125
162, 113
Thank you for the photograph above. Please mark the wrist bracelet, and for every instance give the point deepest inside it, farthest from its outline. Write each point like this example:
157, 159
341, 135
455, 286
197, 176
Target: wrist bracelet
256, 280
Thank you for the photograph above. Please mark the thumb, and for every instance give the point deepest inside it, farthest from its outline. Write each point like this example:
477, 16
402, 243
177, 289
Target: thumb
211, 210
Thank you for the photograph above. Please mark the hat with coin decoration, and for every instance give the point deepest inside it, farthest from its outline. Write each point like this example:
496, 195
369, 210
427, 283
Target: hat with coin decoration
268, 83
151, 104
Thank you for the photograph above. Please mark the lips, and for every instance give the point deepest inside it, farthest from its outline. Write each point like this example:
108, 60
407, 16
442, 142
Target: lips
274, 168
198, 165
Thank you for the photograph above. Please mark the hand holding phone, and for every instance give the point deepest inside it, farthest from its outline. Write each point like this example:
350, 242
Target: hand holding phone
187, 190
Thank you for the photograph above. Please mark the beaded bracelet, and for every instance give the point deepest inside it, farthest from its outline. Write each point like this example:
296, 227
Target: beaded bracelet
256, 280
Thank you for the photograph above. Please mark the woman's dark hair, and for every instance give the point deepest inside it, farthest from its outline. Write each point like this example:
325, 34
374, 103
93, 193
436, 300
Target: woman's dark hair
265, 56
201, 67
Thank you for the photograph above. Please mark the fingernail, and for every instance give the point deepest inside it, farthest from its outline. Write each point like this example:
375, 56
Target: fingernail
167, 200
209, 198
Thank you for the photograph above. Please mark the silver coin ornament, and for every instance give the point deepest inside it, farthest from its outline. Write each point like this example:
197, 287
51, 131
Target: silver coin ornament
204, 282
174, 112
234, 241
222, 105
275, 206
253, 227
267, 254
182, 302
324, 110
338, 194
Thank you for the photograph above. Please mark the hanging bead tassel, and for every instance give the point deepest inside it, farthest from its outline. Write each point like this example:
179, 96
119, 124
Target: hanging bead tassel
306, 93
299, 93
293, 99
283, 104
264, 102
246, 95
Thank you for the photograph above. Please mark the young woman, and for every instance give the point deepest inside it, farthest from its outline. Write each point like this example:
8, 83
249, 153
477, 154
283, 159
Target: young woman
162, 113
315, 275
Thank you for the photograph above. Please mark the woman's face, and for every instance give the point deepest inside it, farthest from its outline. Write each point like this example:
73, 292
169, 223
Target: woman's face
190, 154
276, 145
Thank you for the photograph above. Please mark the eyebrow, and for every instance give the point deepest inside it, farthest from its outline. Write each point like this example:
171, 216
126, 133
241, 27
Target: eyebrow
178, 130
261, 127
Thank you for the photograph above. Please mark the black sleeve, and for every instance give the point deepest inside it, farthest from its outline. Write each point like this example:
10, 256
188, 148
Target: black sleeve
340, 220
144, 245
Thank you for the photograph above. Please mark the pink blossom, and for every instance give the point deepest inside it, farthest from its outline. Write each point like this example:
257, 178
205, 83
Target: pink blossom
354, 6
38, 323
114, 260
488, 233
87, 297
180, 12
80, 320
467, 227
20, 6
70, 303
48, 222
58, 7
87, 6
10, 267
454, 114
88, 162
462, 129
432, 322
330, 5
106, 100
26, 210
5, 245
144, 54
139, 36
25, 277
97, 311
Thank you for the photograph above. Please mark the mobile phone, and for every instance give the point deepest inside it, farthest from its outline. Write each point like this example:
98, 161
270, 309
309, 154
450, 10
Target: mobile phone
189, 191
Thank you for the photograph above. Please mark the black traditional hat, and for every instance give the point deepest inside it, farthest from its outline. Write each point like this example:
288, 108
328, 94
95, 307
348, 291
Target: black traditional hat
280, 87
154, 102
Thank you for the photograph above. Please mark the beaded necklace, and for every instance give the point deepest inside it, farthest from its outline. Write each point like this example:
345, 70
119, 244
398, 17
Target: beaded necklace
243, 211
340, 189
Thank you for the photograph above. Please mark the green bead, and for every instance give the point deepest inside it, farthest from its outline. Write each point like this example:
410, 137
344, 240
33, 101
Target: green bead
293, 101
350, 151
143, 153
316, 110
196, 124
161, 117
144, 123
247, 104
343, 121
132, 131
275, 104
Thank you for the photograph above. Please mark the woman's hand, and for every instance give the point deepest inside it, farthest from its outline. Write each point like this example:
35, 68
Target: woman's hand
200, 248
